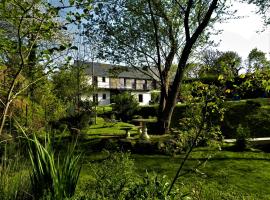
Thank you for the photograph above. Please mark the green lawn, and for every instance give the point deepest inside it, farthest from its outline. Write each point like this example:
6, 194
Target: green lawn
227, 175
108, 128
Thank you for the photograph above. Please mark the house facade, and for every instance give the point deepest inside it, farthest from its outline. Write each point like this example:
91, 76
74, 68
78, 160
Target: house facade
109, 80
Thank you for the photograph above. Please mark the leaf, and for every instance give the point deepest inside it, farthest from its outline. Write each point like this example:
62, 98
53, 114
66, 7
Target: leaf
220, 77
228, 91
242, 76
3, 67
71, 2
74, 48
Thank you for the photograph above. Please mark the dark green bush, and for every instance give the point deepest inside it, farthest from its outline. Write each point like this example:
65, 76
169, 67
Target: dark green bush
125, 105
79, 121
112, 178
249, 114
242, 135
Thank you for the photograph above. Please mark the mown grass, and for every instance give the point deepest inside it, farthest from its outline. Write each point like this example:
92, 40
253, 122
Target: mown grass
108, 128
227, 175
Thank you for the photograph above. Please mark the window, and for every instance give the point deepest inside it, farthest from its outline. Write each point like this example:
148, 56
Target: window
104, 96
140, 98
103, 79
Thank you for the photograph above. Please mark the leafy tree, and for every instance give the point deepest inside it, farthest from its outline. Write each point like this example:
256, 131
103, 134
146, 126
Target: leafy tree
151, 34
231, 63
257, 60
70, 84
221, 63
31, 43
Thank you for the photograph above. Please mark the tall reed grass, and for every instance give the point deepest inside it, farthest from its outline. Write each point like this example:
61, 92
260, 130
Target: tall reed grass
50, 177
14, 177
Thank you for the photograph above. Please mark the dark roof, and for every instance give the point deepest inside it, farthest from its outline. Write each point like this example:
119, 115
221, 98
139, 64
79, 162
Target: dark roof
111, 70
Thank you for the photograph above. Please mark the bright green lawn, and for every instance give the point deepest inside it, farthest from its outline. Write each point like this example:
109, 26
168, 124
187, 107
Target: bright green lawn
108, 128
228, 175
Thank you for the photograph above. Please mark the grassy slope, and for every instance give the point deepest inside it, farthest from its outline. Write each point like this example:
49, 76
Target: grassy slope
228, 175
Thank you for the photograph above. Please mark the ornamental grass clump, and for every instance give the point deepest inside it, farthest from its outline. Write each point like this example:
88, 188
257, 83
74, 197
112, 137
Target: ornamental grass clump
51, 179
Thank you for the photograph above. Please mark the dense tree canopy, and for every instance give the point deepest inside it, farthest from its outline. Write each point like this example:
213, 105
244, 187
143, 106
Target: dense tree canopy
153, 34
221, 63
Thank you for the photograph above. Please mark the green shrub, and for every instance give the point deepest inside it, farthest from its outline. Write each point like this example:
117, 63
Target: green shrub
242, 135
152, 187
112, 178
259, 123
124, 106
249, 114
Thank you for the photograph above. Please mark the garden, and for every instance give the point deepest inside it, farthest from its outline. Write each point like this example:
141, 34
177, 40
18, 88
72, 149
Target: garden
171, 118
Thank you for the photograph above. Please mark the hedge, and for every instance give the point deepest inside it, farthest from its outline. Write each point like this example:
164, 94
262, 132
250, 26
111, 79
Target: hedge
255, 114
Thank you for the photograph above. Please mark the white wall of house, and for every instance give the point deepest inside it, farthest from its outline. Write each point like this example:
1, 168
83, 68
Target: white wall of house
103, 82
104, 98
143, 97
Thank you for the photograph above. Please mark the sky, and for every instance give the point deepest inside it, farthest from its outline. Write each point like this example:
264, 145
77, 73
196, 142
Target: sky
241, 35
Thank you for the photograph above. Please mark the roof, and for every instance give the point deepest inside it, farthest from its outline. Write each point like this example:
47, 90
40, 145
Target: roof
111, 70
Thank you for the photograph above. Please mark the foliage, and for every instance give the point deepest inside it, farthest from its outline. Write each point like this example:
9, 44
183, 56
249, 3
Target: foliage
112, 178
32, 43
14, 181
70, 84
240, 113
152, 187
257, 60
227, 64
51, 179
242, 135
154, 98
263, 9
124, 106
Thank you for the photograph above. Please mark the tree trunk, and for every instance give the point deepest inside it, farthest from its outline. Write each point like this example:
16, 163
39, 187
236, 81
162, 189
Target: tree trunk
4, 117
166, 109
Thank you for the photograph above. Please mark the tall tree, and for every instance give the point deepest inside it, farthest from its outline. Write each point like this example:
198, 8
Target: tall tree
257, 60
29, 40
153, 34
221, 63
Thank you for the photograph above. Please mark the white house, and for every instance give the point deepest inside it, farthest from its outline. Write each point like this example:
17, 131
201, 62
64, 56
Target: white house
110, 80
